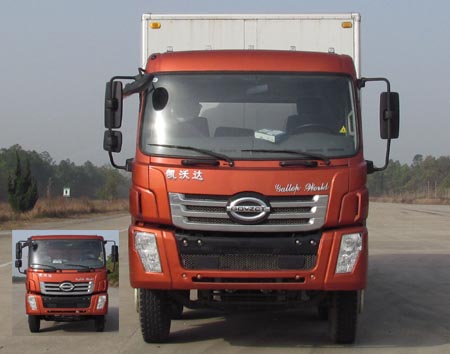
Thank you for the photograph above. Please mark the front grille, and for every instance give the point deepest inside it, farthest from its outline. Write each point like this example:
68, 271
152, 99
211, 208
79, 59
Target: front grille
247, 251
248, 262
204, 209
209, 212
56, 288
60, 302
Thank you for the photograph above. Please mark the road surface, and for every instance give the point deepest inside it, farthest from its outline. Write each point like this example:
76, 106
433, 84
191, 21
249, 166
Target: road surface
407, 308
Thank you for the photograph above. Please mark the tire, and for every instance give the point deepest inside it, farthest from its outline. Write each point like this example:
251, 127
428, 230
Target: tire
176, 310
323, 312
34, 323
343, 316
99, 323
155, 315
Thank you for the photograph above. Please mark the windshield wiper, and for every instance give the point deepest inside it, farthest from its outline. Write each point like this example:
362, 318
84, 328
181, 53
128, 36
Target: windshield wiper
195, 162
216, 155
52, 268
306, 163
79, 265
306, 155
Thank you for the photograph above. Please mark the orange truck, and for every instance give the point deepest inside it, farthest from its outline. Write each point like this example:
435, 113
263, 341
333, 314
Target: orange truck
66, 278
249, 179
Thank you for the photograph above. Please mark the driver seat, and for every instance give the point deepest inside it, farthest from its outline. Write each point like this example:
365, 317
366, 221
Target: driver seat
310, 110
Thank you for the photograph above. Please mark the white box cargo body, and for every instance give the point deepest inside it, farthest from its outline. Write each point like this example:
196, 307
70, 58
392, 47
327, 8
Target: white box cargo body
300, 32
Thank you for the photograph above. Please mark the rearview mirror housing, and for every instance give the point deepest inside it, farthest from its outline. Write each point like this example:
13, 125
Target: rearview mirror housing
113, 104
18, 251
114, 253
112, 141
389, 115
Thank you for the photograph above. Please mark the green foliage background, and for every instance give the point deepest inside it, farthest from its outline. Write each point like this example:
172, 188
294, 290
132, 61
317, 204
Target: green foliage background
22, 188
87, 180
113, 277
425, 178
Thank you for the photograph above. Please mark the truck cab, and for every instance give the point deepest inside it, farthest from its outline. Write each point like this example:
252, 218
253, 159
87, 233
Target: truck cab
248, 183
66, 278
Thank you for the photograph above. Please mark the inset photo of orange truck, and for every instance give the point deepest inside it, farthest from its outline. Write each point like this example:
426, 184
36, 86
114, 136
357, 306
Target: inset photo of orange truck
65, 281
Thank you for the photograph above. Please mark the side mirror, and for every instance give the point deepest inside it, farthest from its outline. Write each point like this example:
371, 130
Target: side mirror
160, 98
113, 104
112, 141
18, 262
114, 253
18, 251
389, 115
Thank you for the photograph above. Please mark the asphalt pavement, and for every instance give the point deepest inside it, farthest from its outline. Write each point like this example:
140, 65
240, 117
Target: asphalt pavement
407, 305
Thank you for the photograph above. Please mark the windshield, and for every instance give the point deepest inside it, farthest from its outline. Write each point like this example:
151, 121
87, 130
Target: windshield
79, 254
250, 116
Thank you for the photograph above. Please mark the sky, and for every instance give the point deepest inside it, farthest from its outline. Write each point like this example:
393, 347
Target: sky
56, 55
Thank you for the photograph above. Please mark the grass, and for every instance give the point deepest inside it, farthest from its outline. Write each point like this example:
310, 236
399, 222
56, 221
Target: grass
59, 208
113, 277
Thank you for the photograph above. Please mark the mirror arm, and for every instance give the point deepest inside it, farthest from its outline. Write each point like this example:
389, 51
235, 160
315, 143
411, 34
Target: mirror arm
113, 104
362, 82
371, 168
128, 90
113, 163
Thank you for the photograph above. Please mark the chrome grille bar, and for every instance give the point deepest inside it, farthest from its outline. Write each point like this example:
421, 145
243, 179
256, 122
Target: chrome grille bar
53, 288
288, 214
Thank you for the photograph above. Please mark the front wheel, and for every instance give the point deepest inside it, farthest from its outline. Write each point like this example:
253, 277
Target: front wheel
155, 315
176, 310
99, 323
34, 323
343, 316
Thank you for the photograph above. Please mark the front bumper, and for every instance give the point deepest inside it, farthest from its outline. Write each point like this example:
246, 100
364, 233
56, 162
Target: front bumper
322, 276
86, 305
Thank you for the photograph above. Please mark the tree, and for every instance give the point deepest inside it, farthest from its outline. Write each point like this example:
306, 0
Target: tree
417, 160
110, 188
22, 188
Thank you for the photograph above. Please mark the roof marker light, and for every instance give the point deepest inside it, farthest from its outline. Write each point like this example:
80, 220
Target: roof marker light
155, 25
347, 24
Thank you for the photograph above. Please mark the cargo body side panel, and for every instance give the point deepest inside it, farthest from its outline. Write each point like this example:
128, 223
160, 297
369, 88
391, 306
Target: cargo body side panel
223, 32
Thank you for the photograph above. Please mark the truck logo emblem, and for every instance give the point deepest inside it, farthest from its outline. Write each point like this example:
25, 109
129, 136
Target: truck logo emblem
66, 286
248, 209
288, 188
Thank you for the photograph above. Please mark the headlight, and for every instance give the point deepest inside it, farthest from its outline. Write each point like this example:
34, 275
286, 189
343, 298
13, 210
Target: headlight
101, 302
32, 302
351, 246
145, 244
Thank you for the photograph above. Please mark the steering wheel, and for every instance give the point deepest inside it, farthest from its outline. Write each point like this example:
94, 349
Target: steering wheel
312, 127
